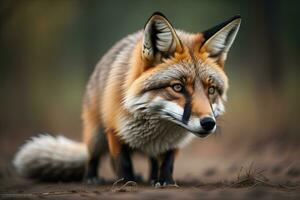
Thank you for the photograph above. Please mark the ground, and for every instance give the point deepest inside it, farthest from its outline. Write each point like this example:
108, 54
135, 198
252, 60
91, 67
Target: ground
29, 190
228, 181
205, 171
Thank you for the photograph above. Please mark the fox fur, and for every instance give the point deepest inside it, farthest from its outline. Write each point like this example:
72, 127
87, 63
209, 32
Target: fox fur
149, 93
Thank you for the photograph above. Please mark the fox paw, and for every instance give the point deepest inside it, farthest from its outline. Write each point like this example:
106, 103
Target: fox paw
153, 182
95, 180
166, 184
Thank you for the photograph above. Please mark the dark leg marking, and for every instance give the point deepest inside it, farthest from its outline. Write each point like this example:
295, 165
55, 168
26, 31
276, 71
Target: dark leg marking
166, 169
98, 147
124, 164
154, 167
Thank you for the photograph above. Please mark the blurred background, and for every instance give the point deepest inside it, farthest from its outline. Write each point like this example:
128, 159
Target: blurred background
48, 49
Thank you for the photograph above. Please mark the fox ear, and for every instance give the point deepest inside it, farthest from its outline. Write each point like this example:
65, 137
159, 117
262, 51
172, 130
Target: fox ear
160, 39
219, 39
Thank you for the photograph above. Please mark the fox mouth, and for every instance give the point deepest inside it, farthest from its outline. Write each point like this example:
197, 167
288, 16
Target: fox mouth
199, 132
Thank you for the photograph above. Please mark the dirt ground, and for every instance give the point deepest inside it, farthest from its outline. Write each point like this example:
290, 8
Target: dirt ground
29, 190
203, 170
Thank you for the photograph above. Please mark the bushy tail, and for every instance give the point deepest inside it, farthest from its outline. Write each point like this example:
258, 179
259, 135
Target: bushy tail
50, 158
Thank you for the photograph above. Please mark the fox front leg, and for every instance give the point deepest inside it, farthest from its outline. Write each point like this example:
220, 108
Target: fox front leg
124, 164
97, 147
154, 168
165, 177
121, 156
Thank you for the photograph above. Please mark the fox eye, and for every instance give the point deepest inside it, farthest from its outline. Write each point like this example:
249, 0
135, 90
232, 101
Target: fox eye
211, 90
177, 87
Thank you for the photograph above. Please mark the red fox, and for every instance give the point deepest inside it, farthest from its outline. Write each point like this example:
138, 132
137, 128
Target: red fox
152, 92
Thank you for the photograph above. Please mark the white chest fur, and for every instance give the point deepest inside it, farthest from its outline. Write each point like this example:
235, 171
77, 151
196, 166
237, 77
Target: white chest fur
152, 135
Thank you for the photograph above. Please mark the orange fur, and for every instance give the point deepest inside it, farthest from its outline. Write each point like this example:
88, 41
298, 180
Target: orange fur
138, 65
90, 117
112, 99
200, 105
113, 142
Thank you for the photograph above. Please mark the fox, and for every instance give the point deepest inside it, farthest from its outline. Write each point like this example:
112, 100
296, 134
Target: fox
153, 92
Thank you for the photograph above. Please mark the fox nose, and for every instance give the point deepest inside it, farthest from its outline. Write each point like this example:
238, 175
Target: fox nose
208, 123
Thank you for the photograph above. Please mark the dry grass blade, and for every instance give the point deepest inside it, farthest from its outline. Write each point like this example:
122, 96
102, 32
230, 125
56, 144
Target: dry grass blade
252, 178
129, 186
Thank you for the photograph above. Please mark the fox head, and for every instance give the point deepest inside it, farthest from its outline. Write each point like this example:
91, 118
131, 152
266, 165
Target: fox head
178, 76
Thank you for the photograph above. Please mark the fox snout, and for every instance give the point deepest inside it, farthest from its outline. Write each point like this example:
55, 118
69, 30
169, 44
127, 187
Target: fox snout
202, 126
208, 123
199, 126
